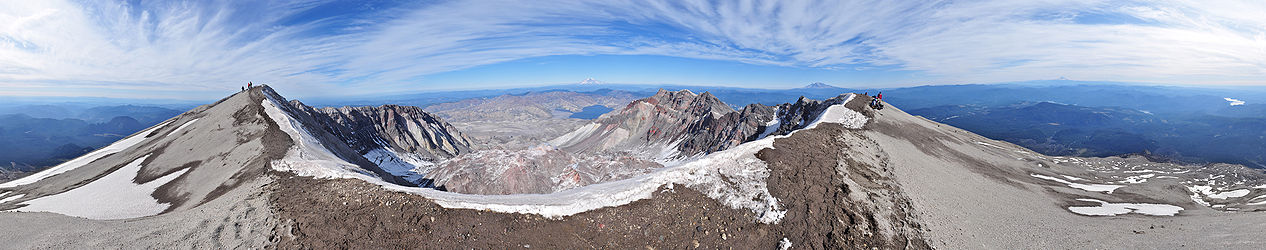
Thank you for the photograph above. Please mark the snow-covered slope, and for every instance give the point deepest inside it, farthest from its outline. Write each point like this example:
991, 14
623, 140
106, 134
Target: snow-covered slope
114, 196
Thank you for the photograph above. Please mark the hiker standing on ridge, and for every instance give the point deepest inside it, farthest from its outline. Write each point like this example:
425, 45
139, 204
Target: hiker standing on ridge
880, 96
250, 85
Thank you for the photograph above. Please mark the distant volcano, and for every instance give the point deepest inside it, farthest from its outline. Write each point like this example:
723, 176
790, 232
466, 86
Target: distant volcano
818, 85
591, 81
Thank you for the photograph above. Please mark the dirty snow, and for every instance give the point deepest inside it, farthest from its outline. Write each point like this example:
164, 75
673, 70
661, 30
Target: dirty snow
1260, 197
1234, 102
1113, 209
1088, 187
85, 159
11, 198
113, 196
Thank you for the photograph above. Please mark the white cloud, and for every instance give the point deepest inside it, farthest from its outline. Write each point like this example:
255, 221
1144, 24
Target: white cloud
52, 45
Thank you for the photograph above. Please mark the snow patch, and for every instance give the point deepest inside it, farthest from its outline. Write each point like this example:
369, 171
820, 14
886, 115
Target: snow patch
85, 159
114, 196
1234, 102
410, 166
841, 115
1208, 191
771, 126
991, 145
1138, 179
1088, 187
1113, 209
784, 244
11, 198
190, 122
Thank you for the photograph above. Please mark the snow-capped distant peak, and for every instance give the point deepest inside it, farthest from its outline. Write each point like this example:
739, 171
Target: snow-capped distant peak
818, 85
1234, 102
591, 81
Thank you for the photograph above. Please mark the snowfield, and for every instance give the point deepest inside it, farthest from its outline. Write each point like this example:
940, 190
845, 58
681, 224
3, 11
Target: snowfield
11, 198
1208, 192
1088, 187
734, 177
1113, 209
190, 122
112, 197
85, 159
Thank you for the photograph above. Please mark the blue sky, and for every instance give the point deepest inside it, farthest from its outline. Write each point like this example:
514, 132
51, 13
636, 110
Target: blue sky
311, 48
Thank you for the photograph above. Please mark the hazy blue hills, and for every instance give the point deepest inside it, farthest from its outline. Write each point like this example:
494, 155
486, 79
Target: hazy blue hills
1061, 129
33, 137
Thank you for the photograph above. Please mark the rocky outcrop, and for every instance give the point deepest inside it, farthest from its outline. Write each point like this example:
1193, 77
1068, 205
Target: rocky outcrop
403, 142
672, 125
794, 116
402, 129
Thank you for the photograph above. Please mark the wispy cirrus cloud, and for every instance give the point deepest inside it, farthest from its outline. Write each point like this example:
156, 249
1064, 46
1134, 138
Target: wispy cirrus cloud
323, 47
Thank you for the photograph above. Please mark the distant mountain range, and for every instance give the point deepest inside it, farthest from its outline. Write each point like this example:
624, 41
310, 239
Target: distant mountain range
1063, 129
33, 137
818, 85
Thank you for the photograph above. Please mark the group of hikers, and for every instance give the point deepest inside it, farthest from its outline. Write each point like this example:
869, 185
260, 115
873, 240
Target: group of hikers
248, 86
876, 101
